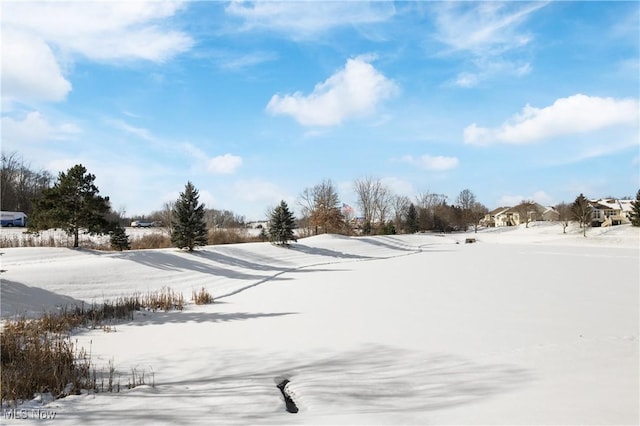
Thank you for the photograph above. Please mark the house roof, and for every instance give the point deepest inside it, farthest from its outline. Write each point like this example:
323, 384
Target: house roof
611, 204
626, 205
498, 210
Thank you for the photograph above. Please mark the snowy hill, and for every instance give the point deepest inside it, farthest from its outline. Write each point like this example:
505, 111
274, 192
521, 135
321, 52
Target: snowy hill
526, 326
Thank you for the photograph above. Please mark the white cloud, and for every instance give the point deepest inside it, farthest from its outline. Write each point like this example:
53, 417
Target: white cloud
539, 197
206, 198
466, 79
38, 37
488, 68
30, 71
353, 91
102, 30
140, 132
221, 164
483, 28
573, 115
35, 128
301, 19
224, 164
237, 61
435, 163
258, 190
398, 186
489, 32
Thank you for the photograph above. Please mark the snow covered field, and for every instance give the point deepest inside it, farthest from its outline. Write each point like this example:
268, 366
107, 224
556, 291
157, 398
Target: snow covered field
526, 326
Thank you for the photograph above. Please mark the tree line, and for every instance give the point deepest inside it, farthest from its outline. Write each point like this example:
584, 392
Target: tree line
72, 202
20, 185
383, 212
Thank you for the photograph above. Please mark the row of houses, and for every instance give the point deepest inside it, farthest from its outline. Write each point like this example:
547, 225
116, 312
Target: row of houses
606, 212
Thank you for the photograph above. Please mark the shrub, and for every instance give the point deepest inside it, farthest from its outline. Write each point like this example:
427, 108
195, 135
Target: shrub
228, 236
151, 241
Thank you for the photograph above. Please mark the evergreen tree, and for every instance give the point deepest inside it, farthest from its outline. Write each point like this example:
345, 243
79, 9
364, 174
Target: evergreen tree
367, 228
388, 228
412, 219
582, 212
281, 225
119, 238
72, 204
635, 211
188, 226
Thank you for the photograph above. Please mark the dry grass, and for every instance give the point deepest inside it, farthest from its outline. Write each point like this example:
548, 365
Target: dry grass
36, 360
151, 241
202, 297
32, 240
230, 236
37, 355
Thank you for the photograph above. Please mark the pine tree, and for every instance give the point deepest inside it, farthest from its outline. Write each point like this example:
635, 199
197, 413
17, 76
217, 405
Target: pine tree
412, 219
281, 225
72, 204
119, 238
582, 212
189, 227
635, 211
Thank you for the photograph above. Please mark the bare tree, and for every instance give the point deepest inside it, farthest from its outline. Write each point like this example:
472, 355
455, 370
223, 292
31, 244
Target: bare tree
478, 211
365, 191
216, 219
564, 215
374, 199
383, 202
526, 211
427, 203
19, 185
165, 217
348, 215
321, 208
429, 200
466, 200
400, 205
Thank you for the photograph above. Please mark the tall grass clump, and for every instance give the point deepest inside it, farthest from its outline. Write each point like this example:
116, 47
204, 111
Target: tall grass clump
36, 360
202, 297
37, 355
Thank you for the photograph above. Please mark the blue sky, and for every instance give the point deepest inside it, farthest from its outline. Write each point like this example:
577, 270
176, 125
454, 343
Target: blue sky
255, 101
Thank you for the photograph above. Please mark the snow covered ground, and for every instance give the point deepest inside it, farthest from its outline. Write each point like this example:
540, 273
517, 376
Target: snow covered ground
526, 326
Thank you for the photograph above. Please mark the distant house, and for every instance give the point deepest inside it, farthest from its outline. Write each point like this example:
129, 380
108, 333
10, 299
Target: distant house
510, 216
545, 213
610, 212
498, 217
257, 224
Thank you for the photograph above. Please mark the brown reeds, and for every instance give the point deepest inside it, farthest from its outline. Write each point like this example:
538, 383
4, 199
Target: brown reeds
38, 356
202, 297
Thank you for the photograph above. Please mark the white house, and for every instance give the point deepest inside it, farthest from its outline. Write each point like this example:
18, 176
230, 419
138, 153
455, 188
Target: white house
610, 211
510, 216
